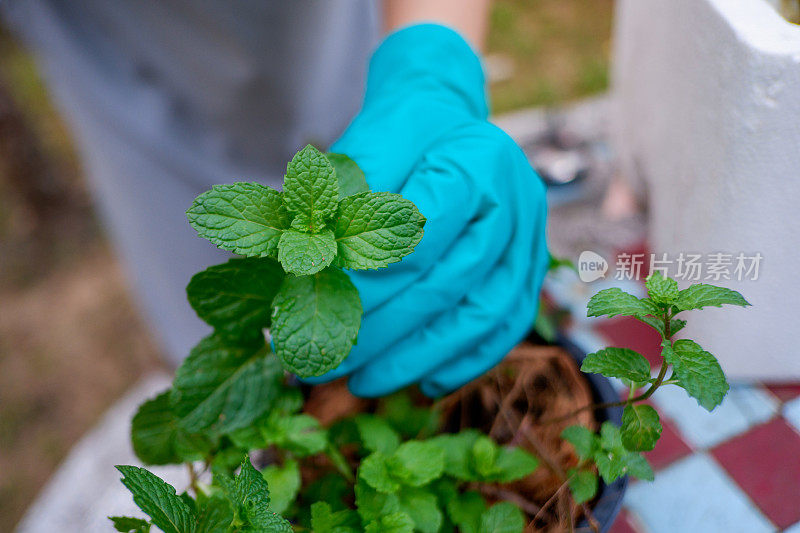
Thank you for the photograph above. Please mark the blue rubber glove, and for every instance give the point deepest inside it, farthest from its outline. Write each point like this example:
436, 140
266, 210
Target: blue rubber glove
451, 310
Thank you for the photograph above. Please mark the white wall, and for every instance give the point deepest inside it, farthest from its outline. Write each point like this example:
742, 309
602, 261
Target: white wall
707, 96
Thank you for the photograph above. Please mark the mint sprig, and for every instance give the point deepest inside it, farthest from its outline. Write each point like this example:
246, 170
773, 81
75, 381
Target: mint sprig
325, 219
615, 452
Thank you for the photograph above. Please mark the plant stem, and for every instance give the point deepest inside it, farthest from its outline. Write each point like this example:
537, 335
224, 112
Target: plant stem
192, 478
645, 395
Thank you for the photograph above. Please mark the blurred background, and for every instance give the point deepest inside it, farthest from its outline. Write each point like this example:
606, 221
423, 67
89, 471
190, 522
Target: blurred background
704, 158
70, 339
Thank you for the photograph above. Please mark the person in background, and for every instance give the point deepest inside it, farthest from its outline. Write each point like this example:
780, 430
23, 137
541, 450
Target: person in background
168, 97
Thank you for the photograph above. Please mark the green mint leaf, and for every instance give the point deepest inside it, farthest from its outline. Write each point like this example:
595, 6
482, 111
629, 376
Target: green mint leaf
637, 466
610, 438
285, 484
702, 295
484, 456
457, 449
423, 508
376, 434
303, 435
618, 363
409, 420
224, 385
610, 465
615, 301
582, 484
303, 254
235, 298
127, 524
158, 440
375, 471
582, 438
416, 463
315, 320
466, 511
244, 218
641, 427
214, 514
250, 496
513, 464
158, 500
324, 520
698, 371
310, 189
657, 323
503, 517
663, 291
349, 175
372, 504
376, 229
398, 522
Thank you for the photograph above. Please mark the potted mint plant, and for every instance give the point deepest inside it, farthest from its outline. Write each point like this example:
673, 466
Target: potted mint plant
260, 462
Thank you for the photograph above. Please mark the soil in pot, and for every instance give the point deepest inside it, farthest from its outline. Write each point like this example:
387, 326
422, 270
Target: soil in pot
533, 384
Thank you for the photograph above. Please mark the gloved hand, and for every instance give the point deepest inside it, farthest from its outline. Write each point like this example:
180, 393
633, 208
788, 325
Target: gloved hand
451, 310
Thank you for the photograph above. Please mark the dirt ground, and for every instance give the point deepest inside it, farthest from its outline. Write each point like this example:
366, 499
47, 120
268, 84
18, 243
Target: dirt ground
71, 341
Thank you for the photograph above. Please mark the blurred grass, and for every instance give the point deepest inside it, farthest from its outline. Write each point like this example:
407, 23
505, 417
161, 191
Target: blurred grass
558, 49
70, 341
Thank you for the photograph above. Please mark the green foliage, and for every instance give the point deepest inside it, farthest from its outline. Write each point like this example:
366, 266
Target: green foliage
702, 295
244, 218
698, 371
224, 385
503, 517
615, 301
325, 216
374, 230
158, 499
315, 321
471, 456
324, 520
663, 291
641, 427
618, 363
351, 178
157, 437
583, 484
126, 524
235, 297
614, 452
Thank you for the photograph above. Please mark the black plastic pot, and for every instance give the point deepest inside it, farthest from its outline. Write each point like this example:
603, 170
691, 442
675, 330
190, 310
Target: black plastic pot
609, 500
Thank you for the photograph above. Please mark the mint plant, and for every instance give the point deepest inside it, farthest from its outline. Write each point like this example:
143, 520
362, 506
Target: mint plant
615, 452
231, 398
387, 471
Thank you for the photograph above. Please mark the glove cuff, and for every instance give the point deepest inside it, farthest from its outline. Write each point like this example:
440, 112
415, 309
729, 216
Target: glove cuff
432, 58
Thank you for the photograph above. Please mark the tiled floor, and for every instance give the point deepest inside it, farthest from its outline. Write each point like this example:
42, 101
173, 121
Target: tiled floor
735, 469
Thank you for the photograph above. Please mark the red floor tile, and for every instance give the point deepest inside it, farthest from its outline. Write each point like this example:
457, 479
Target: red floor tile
624, 524
785, 391
627, 332
669, 448
765, 462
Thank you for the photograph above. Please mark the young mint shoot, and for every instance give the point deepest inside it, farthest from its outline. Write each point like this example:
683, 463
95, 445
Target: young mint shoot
325, 219
615, 452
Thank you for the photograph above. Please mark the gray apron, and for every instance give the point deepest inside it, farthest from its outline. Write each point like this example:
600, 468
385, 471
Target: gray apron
168, 97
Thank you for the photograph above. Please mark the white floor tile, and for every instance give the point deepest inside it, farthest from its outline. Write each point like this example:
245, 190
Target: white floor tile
695, 495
